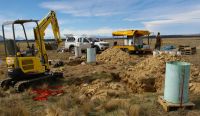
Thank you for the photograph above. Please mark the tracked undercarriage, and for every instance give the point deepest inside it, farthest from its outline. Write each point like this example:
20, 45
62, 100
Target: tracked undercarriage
21, 85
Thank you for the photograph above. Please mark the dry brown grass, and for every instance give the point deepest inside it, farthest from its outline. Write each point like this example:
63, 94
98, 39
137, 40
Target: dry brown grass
136, 110
54, 111
115, 104
66, 102
66, 106
13, 106
118, 112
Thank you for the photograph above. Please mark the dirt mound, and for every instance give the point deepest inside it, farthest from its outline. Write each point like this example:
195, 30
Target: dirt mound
148, 75
114, 56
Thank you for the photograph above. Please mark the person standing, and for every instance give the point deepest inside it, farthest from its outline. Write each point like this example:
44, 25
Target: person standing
158, 41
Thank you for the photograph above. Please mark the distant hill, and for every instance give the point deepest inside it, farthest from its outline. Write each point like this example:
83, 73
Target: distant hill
164, 36
22, 39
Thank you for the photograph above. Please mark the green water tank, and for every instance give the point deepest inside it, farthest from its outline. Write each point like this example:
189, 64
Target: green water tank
176, 82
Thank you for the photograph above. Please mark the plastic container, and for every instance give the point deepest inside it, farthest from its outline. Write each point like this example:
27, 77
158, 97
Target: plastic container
166, 52
155, 53
91, 55
178, 53
173, 53
161, 52
78, 52
176, 82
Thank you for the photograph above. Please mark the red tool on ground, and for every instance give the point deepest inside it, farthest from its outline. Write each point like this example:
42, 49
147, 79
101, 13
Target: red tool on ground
43, 94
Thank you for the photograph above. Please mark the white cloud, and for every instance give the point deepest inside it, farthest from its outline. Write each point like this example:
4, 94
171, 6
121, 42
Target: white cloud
176, 18
186, 22
89, 7
100, 31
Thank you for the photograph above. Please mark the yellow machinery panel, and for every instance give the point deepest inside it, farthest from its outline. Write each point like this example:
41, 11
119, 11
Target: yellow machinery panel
27, 64
129, 48
130, 33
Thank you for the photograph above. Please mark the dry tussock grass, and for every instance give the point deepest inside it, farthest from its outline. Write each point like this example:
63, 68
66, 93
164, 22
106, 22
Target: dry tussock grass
13, 106
123, 107
115, 104
54, 111
44, 86
2, 93
136, 110
67, 106
87, 107
64, 103
118, 112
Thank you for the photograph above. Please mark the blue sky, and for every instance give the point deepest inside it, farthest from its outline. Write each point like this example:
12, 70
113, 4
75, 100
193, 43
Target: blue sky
101, 17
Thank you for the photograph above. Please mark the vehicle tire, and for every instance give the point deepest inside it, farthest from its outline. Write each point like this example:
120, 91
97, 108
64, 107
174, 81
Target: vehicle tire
72, 49
97, 49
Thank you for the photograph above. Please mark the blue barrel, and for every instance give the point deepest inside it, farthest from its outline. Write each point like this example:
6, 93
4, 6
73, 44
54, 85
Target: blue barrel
177, 82
91, 55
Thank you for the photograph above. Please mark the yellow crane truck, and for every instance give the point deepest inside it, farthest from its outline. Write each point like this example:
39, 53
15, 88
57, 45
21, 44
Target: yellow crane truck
133, 41
30, 64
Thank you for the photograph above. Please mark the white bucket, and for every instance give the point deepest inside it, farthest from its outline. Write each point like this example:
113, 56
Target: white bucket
91, 55
173, 53
161, 52
78, 52
166, 52
178, 53
155, 53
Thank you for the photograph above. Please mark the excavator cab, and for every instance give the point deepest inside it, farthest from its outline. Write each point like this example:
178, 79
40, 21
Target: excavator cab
21, 56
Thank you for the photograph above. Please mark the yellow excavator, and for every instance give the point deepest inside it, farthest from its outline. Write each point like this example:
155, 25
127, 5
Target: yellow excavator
30, 64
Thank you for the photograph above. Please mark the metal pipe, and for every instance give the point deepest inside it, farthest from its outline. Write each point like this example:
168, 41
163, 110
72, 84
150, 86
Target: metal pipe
15, 45
4, 39
25, 35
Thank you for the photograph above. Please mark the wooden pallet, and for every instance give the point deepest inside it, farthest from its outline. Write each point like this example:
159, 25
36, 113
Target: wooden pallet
181, 47
167, 106
187, 50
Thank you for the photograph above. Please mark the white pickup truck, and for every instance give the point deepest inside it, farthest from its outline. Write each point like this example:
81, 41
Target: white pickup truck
84, 42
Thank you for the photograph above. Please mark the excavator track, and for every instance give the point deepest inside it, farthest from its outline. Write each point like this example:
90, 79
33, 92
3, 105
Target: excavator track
20, 86
5, 83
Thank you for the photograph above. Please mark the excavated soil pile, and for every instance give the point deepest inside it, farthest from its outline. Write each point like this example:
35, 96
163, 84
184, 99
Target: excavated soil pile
97, 87
148, 75
114, 56
194, 84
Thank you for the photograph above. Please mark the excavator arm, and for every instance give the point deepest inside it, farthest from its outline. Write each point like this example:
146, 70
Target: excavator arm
39, 33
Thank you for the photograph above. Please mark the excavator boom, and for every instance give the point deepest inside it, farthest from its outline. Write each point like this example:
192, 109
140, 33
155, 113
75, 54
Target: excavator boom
39, 32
